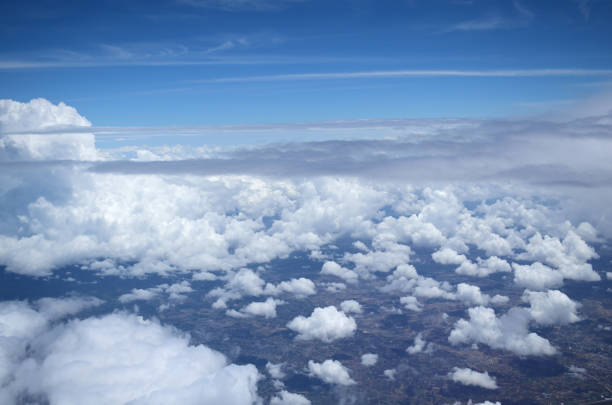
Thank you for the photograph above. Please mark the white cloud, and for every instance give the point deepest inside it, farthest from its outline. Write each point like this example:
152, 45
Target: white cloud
467, 376
60, 361
289, 398
21, 124
175, 293
569, 255
390, 373
266, 309
334, 269
331, 372
299, 287
334, 287
420, 345
484, 268
551, 307
536, 276
349, 306
508, 332
471, 295
448, 256
57, 308
411, 303
326, 324
138, 294
369, 359
275, 370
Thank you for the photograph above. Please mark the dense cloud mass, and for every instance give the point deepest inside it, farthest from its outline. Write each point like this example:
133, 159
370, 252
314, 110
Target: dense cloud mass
402, 205
86, 361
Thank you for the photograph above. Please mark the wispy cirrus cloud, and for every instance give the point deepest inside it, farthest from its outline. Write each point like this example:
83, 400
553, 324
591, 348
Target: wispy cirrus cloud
389, 74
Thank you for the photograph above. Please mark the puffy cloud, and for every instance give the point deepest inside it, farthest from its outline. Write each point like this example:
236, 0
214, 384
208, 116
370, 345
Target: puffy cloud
334, 287
349, 306
299, 287
60, 361
289, 398
536, 276
138, 294
390, 373
334, 269
266, 308
275, 370
23, 137
551, 307
448, 256
569, 255
331, 371
326, 324
385, 260
246, 282
369, 359
471, 295
509, 332
483, 268
420, 345
406, 280
467, 376
413, 230
411, 303
175, 292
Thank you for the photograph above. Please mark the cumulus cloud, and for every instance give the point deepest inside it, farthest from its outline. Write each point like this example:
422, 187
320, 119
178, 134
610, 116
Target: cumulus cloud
334, 269
266, 308
138, 294
551, 307
369, 359
536, 276
420, 345
275, 370
299, 287
289, 398
173, 292
467, 376
349, 306
483, 268
508, 332
331, 372
326, 324
22, 127
448, 256
411, 303
390, 373
471, 295
61, 360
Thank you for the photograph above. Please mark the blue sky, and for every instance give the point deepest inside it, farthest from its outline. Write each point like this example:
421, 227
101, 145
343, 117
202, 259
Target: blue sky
217, 62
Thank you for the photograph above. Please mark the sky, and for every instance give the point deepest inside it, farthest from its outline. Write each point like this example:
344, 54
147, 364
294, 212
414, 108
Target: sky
172, 172
224, 62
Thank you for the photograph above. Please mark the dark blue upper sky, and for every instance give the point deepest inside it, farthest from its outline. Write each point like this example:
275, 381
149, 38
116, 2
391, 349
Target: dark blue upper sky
188, 62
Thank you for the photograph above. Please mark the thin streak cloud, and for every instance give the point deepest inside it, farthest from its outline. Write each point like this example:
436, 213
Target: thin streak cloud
386, 74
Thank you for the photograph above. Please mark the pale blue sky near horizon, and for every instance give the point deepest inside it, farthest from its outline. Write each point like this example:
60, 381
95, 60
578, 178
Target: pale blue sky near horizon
226, 62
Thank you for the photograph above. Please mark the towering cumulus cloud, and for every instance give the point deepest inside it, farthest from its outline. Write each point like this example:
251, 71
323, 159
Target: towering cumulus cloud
23, 127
